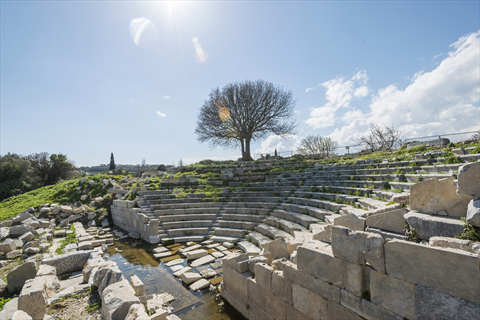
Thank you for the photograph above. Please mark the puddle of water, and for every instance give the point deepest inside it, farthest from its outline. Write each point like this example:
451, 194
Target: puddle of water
135, 257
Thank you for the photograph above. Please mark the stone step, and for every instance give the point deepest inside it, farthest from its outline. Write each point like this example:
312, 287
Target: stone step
249, 248
242, 217
427, 226
207, 210
224, 239
227, 232
237, 224
183, 232
272, 232
258, 238
195, 238
302, 219
315, 212
285, 225
187, 224
185, 217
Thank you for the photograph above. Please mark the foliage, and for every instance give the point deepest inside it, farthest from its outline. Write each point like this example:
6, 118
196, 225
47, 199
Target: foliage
63, 192
451, 158
71, 238
48, 168
112, 162
243, 112
470, 232
14, 177
324, 146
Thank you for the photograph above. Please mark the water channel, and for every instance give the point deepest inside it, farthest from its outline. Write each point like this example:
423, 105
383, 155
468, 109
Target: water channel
135, 257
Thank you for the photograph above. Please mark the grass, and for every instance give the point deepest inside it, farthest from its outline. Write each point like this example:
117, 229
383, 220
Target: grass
470, 232
71, 238
63, 192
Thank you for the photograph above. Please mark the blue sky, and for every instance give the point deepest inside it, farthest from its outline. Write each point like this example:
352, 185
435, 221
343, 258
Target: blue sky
89, 78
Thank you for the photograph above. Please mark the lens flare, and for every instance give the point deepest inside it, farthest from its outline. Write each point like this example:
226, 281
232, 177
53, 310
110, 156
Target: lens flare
224, 113
201, 55
144, 33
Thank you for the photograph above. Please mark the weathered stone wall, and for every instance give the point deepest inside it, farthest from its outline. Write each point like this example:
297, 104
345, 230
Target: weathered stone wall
358, 276
134, 221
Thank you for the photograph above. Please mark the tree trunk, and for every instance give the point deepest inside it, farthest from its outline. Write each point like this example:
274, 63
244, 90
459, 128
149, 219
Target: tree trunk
246, 155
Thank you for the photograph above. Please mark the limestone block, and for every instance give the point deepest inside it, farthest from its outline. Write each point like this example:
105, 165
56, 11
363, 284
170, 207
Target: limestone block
393, 294
137, 285
85, 245
321, 264
66, 209
4, 233
249, 248
179, 273
452, 243
281, 287
162, 314
427, 226
68, 262
275, 306
137, 312
199, 285
350, 221
280, 248
256, 294
190, 277
468, 181
309, 303
357, 247
238, 262
117, 300
432, 305
389, 220
112, 276
473, 212
33, 298
203, 260
17, 231
435, 267
17, 277
239, 306
322, 232
294, 314
336, 311
433, 196
263, 275
314, 285
20, 315
46, 270
8, 245
365, 308
14, 254
387, 235
237, 284
196, 254
353, 278
253, 261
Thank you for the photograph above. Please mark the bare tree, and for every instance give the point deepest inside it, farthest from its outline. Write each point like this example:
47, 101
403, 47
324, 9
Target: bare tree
380, 138
325, 146
243, 112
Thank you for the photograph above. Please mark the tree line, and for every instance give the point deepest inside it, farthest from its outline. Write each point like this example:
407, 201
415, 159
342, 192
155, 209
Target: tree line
19, 174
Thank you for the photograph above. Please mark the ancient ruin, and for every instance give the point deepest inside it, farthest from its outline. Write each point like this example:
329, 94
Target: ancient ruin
289, 238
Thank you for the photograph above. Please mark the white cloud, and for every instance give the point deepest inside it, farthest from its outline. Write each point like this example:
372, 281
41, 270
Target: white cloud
440, 101
131, 100
290, 142
309, 89
340, 93
166, 97
297, 112
361, 92
161, 114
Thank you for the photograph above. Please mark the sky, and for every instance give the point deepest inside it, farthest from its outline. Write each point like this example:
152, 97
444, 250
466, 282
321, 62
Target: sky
87, 78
